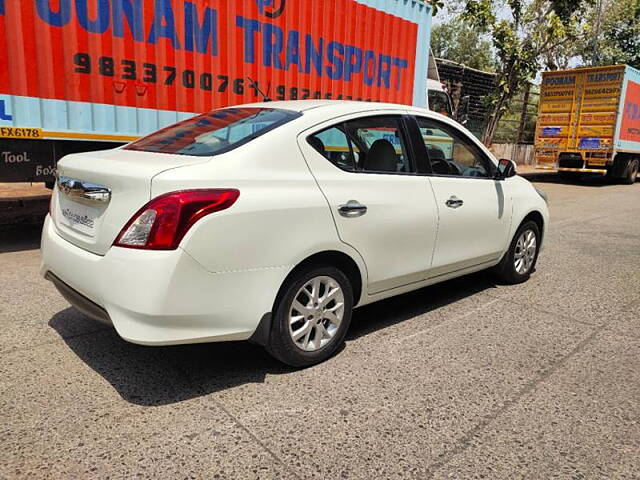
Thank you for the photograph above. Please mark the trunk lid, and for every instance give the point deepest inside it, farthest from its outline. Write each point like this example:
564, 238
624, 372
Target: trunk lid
98, 192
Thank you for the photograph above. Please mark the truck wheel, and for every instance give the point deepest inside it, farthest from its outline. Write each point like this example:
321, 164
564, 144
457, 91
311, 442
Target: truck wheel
312, 317
520, 260
632, 172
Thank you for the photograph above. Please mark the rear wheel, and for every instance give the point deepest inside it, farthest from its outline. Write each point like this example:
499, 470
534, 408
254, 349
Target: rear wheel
520, 260
312, 316
632, 172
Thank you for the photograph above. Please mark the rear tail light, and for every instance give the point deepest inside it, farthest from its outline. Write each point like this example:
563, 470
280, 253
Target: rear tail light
163, 222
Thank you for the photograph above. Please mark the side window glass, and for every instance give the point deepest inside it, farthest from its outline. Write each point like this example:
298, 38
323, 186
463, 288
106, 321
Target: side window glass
334, 145
379, 143
439, 102
450, 152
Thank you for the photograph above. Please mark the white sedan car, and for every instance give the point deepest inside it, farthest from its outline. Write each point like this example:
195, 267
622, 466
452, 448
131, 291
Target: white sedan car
271, 222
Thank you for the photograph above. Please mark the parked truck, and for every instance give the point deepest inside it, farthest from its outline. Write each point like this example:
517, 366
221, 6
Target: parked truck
80, 75
589, 122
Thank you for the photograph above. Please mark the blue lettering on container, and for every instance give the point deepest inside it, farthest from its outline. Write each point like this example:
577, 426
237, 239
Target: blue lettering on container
250, 27
631, 110
262, 4
352, 61
57, 18
400, 63
384, 74
280, 48
335, 51
163, 23
272, 44
100, 24
369, 67
313, 56
208, 29
391, 137
131, 10
3, 112
293, 50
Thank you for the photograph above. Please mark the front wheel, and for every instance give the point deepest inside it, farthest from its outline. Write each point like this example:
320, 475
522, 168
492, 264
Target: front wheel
520, 260
312, 316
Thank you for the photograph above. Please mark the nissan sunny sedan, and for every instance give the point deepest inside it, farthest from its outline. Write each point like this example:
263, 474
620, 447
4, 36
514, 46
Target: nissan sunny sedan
271, 222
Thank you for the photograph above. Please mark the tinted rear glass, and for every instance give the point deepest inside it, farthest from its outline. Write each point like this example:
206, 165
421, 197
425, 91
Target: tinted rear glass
215, 132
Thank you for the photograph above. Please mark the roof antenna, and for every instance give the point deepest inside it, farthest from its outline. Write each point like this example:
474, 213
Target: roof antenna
257, 89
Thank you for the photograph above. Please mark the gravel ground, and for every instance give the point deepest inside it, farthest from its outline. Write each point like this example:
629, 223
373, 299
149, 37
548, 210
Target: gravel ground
467, 379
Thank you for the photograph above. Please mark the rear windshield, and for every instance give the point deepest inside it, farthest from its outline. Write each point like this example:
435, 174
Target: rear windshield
215, 132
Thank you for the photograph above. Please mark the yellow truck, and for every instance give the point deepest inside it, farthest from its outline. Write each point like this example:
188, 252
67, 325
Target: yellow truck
589, 122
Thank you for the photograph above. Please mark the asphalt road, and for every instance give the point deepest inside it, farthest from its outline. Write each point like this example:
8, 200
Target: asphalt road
467, 379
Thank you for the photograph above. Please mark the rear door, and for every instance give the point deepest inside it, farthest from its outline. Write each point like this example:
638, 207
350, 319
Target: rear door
381, 208
559, 104
474, 210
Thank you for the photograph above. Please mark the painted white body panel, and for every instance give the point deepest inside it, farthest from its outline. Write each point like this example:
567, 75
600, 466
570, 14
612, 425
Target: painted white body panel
230, 266
128, 175
397, 235
163, 297
478, 231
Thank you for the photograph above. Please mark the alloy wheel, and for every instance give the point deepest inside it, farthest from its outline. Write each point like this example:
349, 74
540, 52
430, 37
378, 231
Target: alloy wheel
525, 252
316, 313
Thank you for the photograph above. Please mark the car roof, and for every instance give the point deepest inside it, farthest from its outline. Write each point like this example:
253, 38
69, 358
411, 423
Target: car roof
306, 105
320, 110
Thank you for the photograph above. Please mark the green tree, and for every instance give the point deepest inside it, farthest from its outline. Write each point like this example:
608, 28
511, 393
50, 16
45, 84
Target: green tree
457, 42
523, 33
613, 36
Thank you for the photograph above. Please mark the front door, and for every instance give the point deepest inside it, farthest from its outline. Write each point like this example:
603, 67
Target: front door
474, 209
380, 207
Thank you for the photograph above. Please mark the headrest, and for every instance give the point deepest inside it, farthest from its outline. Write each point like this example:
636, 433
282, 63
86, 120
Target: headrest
381, 157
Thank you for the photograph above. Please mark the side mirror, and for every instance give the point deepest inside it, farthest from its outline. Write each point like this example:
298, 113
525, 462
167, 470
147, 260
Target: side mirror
462, 113
506, 169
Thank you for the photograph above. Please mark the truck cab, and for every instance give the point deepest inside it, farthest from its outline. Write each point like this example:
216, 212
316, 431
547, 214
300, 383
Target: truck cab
438, 98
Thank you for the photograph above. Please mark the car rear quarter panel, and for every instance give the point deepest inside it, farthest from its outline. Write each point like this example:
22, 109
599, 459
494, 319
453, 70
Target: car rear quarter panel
279, 219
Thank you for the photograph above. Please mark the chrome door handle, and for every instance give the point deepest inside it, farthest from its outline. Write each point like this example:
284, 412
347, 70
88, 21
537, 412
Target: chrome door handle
352, 208
454, 202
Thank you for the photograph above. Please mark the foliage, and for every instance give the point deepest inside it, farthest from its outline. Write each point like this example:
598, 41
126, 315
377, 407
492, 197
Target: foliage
436, 5
616, 39
522, 39
458, 42
508, 128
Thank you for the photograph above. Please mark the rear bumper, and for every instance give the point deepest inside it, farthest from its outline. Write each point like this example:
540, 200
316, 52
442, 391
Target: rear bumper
159, 297
79, 301
601, 171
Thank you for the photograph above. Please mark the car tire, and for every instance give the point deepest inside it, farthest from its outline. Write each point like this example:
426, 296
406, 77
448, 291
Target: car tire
631, 172
321, 337
520, 260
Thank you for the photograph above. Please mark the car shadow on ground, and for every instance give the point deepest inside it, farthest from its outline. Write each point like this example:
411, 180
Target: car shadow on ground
582, 181
17, 238
154, 376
